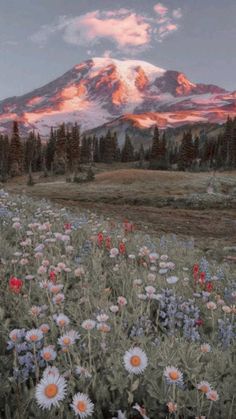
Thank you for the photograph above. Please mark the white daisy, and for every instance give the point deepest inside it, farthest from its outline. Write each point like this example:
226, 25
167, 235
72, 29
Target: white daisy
48, 354
59, 298
172, 279
205, 347
34, 335
212, 395
82, 405
83, 372
135, 360
44, 328
55, 288
50, 391
163, 271
62, 320
150, 290
121, 300
114, 308
114, 252
173, 375
153, 257
102, 317
88, 324
103, 327
15, 335
204, 387
68, 339
164, 257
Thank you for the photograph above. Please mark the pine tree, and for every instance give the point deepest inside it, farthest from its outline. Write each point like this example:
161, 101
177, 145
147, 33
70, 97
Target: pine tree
85, 151
30, 152
156, 146
96, 153
38, 154
127, 152
186, 155
141, 156
4, 157
16, 152
60, 157
108, 154
102, 148
226, 140
50, 150
75, 149
196, 148
116, 150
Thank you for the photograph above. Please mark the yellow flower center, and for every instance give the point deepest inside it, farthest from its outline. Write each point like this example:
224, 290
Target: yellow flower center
81, 406
135, 361
47, 356
51, 390
61, 322
174, 375
66, 341
33, 338
104, 328
44, 329
204, 388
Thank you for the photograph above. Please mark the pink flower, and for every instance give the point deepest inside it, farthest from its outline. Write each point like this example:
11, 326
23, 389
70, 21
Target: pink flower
122, 301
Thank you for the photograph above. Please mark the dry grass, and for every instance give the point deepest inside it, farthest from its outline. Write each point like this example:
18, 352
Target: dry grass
144, 196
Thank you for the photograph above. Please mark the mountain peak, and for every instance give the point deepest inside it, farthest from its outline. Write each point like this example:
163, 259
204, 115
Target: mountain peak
101, 89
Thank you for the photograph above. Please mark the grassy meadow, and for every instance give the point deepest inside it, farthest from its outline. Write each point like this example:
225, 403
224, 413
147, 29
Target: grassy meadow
105, 315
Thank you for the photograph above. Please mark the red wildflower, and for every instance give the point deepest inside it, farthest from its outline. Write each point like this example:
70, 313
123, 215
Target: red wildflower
128, 227
108, 243
209, 286
100, 239
202, 277
195, 268
195, 272
67, 226
199, 322
52, 276
122, 248
15, 284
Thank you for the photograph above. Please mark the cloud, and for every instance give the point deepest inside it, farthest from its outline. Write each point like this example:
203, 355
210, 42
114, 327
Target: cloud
166, 29
127, 30
177, 13
160, 9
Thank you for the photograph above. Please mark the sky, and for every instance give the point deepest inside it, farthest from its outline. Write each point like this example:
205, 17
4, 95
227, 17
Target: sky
42, 39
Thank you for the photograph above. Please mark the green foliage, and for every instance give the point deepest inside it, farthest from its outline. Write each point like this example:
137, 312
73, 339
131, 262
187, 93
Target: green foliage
93, 289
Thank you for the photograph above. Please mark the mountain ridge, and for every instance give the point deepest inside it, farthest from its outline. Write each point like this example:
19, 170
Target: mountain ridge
100, 90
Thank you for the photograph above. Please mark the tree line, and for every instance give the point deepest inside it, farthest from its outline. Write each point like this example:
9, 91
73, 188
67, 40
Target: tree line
66, 149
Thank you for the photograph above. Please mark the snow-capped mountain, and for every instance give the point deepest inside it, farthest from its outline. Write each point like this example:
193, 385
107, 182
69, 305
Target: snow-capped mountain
101, 90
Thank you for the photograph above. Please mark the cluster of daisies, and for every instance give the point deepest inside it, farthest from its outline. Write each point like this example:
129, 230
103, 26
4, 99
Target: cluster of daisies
52, 390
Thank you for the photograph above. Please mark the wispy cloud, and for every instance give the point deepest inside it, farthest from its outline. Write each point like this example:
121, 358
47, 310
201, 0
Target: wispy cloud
166, 20
177, 13
126, 29
160, 9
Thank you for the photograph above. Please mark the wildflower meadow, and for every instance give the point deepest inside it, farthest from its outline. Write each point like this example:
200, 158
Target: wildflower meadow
101, 320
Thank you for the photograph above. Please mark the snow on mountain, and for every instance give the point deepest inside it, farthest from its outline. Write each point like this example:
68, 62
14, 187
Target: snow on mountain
100, 90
